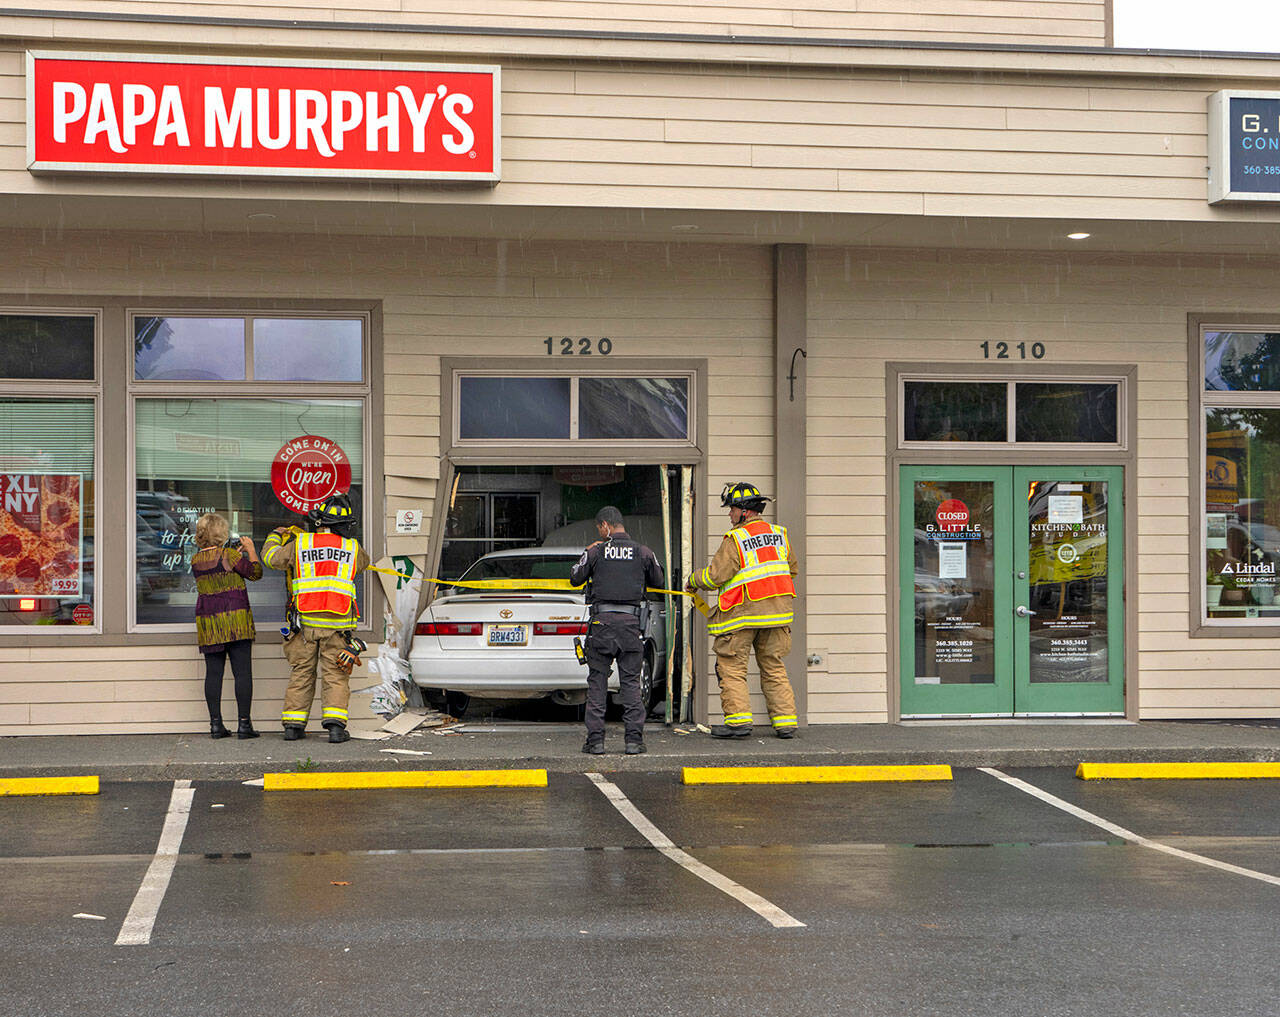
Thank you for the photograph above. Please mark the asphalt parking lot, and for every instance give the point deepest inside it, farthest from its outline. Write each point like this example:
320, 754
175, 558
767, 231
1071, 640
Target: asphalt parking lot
972, 896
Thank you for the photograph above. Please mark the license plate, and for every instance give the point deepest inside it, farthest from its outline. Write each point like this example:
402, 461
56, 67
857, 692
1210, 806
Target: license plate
508, 635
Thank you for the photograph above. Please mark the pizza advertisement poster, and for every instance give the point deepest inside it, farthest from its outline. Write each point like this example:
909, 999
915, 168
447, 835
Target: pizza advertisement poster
41, 535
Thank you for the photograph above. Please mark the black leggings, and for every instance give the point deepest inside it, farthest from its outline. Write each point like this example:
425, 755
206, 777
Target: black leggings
241, 654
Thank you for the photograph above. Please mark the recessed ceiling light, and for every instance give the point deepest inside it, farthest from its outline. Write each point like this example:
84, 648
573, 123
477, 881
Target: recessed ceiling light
1079, 236
686, 227
261, 216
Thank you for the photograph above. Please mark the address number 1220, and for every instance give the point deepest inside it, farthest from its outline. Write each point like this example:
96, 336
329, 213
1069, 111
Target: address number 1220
567, 347
1000, 351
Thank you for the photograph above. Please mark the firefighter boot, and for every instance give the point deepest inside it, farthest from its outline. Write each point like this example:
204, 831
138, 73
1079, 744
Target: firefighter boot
338, 733
292, 732
731, 731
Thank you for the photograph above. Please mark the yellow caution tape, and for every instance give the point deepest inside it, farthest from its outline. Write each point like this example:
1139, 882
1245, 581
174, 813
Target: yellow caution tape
546, 584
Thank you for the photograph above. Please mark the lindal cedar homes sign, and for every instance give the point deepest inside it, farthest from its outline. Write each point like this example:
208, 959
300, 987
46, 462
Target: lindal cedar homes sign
113, 113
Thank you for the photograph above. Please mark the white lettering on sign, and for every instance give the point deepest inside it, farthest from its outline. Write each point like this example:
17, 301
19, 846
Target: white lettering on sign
299, 475
621, 553
315, 555
203, 115
20, 493
763, 540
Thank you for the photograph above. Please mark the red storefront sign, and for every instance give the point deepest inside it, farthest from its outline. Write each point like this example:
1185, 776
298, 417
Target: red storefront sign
953, 516
307, 470
105, 113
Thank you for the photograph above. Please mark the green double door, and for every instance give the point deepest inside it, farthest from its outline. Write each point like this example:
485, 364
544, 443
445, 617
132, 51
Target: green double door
1012, 591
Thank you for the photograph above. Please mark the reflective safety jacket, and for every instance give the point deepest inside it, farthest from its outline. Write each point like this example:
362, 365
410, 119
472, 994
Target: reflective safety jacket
322, 568
753, 571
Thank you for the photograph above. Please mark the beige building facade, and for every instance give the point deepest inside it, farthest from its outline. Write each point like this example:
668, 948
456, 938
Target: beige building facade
1015, 464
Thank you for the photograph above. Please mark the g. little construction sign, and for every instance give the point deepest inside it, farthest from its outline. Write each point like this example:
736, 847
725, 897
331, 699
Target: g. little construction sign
112, 113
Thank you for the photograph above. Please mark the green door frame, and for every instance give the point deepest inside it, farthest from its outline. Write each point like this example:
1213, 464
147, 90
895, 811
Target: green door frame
995, 698
1011, 693
1073, 698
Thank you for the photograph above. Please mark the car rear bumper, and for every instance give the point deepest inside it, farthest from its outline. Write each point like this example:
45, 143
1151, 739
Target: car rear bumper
488, 673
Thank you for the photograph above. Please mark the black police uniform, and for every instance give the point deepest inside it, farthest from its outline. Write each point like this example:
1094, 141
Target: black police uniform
618, 571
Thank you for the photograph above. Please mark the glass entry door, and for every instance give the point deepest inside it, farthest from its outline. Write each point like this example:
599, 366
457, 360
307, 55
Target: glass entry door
1012, 592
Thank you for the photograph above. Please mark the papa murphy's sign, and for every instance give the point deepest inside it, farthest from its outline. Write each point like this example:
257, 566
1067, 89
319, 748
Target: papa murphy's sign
108, 113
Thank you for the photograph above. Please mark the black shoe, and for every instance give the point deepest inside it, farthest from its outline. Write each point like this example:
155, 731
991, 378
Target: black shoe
731, 731
635, 748
593, 748
338, 733
293, 733
785, 732
217, 729
245, 730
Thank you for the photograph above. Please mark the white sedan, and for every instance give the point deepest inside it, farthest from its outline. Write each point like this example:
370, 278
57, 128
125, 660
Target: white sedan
517, 644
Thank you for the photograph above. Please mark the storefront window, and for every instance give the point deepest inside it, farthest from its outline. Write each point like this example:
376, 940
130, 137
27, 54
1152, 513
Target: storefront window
244, 348
1007, 412
570, 408
46, 347
46, 511
1066, 412
1242, 361
653, 408
1242, 513
214, 455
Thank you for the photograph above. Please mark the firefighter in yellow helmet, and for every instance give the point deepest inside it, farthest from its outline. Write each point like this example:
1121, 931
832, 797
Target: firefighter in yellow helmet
322, 563
753, 573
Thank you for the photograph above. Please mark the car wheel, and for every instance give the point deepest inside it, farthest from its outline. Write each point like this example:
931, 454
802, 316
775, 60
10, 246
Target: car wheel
456, 703
647, 680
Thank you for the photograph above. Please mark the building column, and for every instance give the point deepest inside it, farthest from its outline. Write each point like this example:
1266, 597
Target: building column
790, 438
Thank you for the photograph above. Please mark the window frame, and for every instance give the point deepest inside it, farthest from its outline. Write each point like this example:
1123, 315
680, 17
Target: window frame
363, 391
1201, 399
67, 390
522, 368
1011, 379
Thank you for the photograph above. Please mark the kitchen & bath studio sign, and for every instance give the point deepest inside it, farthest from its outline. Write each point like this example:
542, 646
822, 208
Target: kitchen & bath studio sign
112, 113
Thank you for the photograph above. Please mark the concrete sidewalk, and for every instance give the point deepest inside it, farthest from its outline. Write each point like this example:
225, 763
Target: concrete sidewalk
555, 747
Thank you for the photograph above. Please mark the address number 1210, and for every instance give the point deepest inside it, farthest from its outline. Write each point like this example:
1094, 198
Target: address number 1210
1001, 351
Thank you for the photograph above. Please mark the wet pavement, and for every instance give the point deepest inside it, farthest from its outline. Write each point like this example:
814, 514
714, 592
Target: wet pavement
968, 897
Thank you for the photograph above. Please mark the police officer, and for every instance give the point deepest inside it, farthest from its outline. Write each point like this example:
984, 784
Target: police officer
322, 565
617, 570
753, 573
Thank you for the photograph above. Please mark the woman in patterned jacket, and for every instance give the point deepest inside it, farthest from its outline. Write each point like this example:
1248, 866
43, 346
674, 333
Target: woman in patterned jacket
224, 620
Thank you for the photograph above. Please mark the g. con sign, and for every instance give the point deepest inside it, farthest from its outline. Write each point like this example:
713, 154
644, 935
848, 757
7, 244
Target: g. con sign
103, 113
307, 470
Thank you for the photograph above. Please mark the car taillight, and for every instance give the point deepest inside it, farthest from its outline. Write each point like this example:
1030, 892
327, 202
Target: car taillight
448, 629
559, 628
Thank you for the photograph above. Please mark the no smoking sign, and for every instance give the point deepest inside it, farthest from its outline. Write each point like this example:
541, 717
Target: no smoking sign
307, 470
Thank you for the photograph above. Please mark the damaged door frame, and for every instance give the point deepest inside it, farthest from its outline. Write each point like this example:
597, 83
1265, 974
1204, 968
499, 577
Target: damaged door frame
574, 453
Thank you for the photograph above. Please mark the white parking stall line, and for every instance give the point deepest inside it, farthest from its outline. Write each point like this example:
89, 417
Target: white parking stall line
771, 913
1128, 835
136, 930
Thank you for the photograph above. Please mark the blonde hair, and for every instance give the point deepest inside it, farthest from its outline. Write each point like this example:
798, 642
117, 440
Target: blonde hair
212, 530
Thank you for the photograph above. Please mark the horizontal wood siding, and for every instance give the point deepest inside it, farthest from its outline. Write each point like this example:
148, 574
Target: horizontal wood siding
1016, 22
911, 143
440, 297
937, 307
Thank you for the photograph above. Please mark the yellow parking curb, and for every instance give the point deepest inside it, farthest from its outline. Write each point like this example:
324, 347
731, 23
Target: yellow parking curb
401, 779
48, 786
810, 774
1176, 771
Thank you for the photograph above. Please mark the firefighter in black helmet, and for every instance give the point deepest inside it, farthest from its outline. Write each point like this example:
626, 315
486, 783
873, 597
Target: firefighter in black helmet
753, 573
322, 565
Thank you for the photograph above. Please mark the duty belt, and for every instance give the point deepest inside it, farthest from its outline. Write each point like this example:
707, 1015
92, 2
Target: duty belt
610, 607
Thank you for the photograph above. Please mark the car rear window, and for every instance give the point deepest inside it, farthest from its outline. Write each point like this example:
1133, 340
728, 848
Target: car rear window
534, 566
